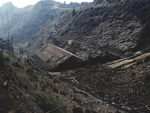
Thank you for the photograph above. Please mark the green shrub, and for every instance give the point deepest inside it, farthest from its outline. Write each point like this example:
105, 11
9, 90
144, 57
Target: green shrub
49, 102
90, 20
2, 65
147, 78
17, 64
24, 77
77, 109
62, 13
113, 51
73, 12
13, 61
6, 58
29, 71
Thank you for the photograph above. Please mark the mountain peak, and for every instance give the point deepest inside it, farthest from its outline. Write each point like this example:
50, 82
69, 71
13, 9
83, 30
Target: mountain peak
7, 4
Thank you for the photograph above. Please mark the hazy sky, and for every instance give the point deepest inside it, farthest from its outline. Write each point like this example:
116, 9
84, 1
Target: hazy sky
23, 3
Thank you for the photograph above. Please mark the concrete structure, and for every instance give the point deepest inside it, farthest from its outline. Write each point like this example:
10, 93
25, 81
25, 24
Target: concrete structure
51, 57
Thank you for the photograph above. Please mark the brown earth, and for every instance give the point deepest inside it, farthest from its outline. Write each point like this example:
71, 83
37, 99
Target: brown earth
125, 88
17, 92
14, 96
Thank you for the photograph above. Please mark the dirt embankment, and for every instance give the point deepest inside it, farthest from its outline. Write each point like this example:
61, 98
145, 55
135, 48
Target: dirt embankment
35, 92
125, 88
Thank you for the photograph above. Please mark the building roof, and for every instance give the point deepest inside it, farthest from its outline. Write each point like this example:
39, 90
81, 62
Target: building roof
54, 55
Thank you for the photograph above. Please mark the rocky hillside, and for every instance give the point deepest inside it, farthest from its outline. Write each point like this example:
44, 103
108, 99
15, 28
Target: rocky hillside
114, 28
127, 88
101, 32
14, 96
26, 90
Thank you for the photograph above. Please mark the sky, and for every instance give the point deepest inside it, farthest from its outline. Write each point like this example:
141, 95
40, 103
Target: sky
23, 3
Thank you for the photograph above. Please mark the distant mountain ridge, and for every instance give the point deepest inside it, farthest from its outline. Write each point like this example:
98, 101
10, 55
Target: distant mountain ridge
23, 23
11, 17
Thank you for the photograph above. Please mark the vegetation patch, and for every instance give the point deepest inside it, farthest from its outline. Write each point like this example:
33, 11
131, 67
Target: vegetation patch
48, 102
112, 51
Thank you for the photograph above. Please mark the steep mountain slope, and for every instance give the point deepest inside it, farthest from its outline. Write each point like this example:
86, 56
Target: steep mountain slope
14, 96
43, 12
24, 90
126, 88
24, 23
115, 28
11, 18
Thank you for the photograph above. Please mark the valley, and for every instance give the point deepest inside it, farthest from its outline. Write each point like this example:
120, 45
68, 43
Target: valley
75, 58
